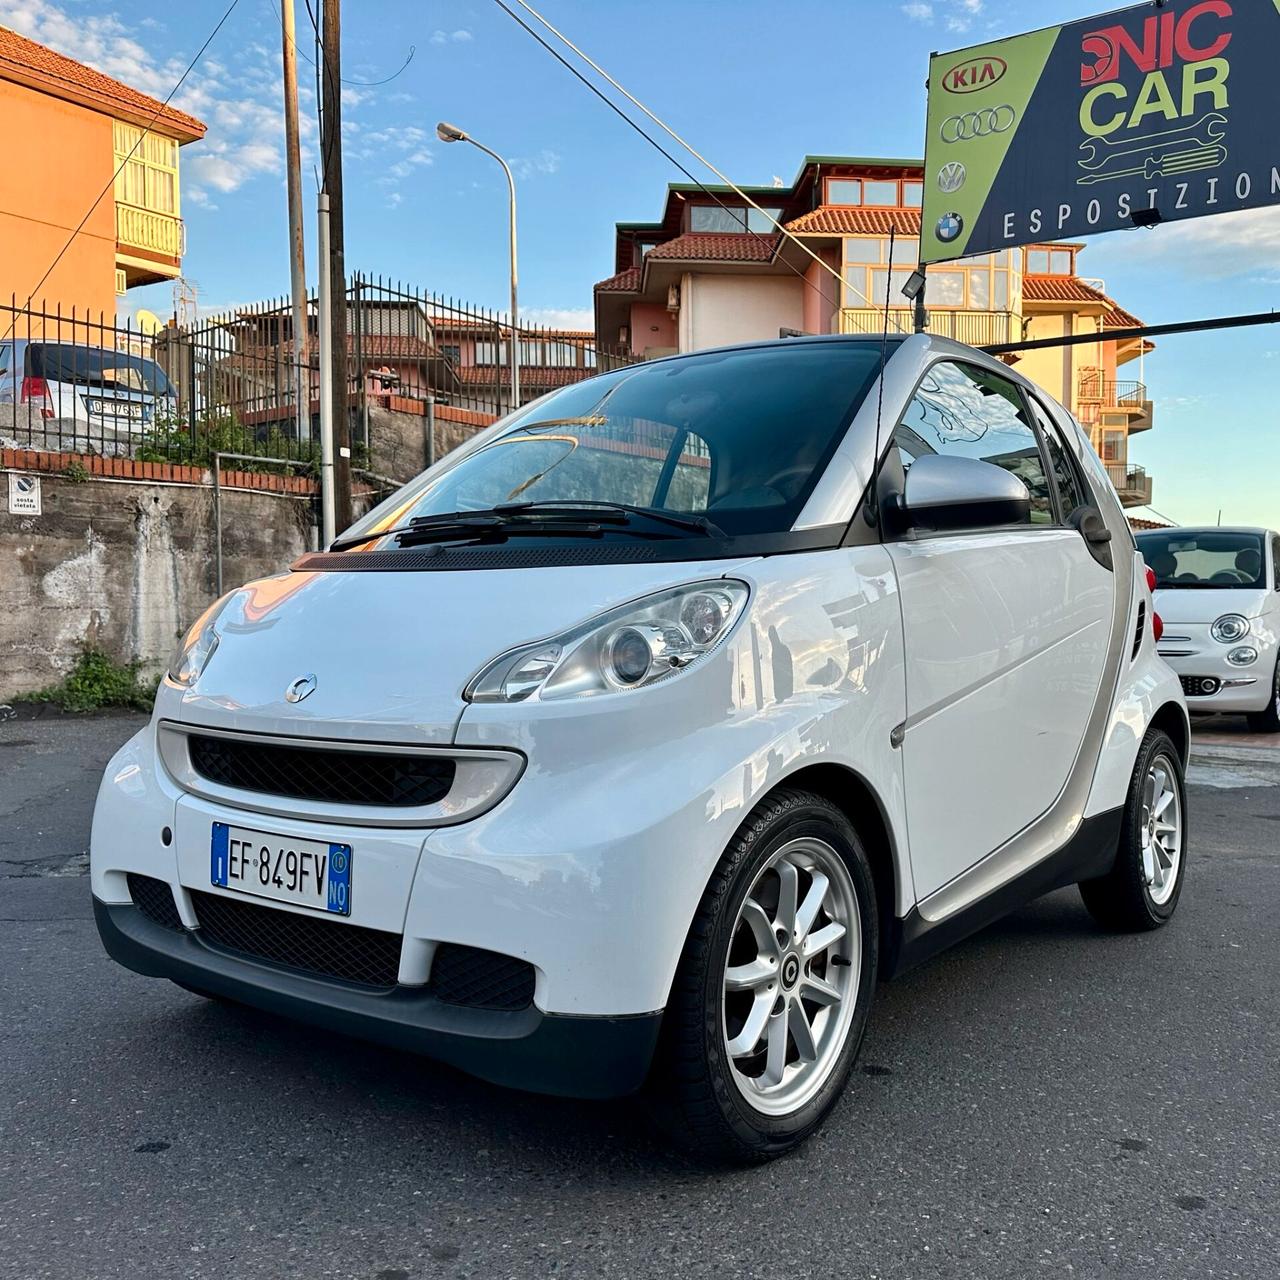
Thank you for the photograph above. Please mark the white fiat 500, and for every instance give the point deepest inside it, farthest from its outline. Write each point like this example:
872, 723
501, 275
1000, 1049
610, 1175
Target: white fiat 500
1218, 594
635, 741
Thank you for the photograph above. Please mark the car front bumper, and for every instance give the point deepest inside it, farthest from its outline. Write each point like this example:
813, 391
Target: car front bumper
582, 1057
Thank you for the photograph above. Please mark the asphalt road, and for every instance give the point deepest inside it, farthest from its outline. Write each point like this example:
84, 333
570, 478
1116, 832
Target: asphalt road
1043, 1100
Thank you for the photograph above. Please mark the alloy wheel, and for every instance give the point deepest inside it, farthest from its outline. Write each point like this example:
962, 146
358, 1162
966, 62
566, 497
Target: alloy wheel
1161, 830
792, 976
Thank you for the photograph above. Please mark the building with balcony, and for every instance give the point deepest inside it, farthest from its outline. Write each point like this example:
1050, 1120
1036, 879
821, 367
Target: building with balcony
91, 161
712, 270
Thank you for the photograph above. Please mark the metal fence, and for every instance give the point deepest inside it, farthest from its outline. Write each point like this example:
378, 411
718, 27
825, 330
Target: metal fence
231, 382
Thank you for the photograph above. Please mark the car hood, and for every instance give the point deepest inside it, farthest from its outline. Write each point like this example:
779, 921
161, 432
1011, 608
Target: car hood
1192, 605
391, 652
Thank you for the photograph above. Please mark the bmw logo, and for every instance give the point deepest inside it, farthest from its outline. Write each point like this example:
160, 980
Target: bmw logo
949, 227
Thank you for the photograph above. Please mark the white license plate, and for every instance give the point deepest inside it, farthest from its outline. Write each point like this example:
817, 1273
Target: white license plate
116, 408
307, 873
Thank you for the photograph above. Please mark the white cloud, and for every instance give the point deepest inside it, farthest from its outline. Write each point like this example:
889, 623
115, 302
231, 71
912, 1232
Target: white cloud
559, 317
1227, 245
956, 15
918, 12
545, 162
461, 37
446, 37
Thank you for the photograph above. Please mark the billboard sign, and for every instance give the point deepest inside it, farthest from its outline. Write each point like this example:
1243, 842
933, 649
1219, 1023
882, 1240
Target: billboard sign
1157, 112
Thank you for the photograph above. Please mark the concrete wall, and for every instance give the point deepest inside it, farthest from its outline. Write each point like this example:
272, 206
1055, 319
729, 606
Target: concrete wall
59, 157
125, 567
716, 310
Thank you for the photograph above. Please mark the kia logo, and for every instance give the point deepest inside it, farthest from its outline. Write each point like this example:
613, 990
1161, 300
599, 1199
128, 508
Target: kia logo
978, 124
969, 77
302, 687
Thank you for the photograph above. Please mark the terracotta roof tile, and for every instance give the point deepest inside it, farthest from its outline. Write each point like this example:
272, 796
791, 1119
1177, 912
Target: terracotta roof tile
27, 61
1138, 522
627, 281
1073, 289
705, 246
530, 375
840, 220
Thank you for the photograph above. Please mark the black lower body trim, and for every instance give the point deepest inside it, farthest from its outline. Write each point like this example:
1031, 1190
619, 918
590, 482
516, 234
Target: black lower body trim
573, 1057
1088, 854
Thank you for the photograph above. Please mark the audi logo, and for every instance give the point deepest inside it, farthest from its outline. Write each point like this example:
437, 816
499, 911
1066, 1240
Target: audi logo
978, 124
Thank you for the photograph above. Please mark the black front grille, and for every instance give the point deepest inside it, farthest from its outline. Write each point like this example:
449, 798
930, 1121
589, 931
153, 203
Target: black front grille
480, 979
310, 773
1200, 686
154, 899
325, 947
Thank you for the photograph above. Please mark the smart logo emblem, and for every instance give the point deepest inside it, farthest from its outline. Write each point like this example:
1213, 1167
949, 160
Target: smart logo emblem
951, 177
949, 227
303, 687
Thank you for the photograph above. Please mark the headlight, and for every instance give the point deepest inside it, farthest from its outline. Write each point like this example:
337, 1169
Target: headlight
1229, 628
1242, 656
630, 647
193, 654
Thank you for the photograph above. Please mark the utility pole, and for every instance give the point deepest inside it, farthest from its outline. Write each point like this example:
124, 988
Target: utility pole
297, 262
331, 149
328, 531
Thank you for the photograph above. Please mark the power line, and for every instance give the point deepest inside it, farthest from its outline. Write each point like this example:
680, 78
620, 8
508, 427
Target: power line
653, 142
599, 70
120, 168
361, 84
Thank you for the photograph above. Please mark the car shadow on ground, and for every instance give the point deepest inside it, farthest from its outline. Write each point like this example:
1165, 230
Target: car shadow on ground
417, 1105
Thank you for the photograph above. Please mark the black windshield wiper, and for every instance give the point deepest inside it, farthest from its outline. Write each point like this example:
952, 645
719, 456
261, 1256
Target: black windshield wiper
495, 527
591, 509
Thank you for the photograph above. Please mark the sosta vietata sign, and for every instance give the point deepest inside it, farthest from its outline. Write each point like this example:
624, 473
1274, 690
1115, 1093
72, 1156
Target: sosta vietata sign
1166, 109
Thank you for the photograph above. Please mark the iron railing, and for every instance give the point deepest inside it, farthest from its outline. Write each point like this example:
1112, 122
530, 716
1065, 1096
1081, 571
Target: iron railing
1095, 388
977, 328
231, 383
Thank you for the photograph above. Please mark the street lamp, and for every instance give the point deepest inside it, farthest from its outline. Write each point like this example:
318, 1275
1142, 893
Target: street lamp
451, 133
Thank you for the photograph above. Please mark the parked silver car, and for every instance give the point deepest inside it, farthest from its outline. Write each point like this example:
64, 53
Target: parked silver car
104, 392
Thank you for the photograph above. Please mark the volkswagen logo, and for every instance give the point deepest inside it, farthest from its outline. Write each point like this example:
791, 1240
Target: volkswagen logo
951, 177
302, 687
978, 124
949, 227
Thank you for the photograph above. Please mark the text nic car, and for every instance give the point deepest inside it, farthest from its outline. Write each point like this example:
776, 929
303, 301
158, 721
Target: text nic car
628, 747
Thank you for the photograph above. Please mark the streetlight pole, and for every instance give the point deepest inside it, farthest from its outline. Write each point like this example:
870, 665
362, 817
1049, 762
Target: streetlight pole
451, 133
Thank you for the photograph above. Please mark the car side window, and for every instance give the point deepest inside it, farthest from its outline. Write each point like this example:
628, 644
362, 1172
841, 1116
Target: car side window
1275, 561
4, 358
1071, 492
969, 411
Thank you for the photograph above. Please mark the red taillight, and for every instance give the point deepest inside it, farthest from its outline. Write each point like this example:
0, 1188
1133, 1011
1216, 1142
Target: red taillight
1151, 578
37, 389
1157, 624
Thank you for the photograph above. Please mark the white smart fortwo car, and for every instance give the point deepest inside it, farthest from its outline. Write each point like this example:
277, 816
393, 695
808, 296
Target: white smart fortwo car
634, 742
1218, 592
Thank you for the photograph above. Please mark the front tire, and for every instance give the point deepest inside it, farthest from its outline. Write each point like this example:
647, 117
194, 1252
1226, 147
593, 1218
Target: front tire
1142, 889
774, 988
1268, 720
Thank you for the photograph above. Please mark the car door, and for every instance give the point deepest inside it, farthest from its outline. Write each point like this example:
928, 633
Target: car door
1006, 630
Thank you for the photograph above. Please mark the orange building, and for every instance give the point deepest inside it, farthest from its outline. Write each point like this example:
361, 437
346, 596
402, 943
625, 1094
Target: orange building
68, 129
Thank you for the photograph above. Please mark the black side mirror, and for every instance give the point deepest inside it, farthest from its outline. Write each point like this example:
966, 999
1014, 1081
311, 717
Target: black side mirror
947, 492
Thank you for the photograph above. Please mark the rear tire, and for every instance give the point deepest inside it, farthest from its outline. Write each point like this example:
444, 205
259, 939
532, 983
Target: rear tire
1268, 721
771, 999
1142, 889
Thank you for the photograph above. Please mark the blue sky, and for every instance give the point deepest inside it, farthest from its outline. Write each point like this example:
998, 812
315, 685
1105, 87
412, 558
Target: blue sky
753, 85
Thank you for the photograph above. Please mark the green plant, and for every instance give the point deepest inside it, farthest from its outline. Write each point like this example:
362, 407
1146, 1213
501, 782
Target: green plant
76, 472
171, 439
98, 681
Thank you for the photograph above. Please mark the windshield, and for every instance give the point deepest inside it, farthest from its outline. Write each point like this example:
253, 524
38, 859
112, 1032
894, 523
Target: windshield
738, 436
95, 367
1204, 558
